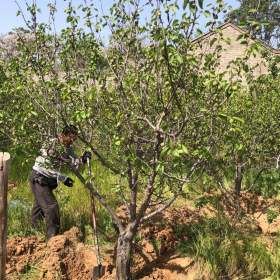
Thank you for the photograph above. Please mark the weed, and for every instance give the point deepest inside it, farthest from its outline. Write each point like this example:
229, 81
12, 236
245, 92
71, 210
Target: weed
30, 272
271, 215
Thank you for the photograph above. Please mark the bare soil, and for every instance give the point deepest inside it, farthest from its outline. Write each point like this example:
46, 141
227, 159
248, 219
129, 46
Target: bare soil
63, 257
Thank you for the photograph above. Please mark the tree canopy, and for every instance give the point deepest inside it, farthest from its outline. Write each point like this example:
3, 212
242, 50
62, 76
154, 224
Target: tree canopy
261, 18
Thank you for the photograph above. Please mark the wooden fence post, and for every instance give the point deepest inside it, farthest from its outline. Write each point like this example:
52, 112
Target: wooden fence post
4, 165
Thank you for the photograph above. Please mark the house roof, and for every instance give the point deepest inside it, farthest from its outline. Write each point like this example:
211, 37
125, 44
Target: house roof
241, 31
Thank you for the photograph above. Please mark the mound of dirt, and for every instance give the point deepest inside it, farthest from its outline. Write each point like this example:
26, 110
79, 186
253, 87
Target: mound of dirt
247, 203
67, 257
162, 235
155, 256
178, 268
63, 257
250, 210
21, 252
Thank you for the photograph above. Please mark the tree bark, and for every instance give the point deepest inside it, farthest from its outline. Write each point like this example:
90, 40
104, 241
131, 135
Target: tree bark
123, 258
238, 178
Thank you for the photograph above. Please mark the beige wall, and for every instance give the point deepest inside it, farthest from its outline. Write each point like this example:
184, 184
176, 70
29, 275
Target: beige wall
232, 49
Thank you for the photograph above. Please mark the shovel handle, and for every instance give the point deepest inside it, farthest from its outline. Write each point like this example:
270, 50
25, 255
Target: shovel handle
96, 239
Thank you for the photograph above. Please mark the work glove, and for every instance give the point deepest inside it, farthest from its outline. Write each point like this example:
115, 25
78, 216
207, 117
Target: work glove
68, 182
85, 156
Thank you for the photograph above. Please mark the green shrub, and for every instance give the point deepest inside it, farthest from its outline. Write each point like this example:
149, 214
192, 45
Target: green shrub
267, 184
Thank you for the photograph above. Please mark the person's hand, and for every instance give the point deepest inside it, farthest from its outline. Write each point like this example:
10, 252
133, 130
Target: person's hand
86, 156
68, 182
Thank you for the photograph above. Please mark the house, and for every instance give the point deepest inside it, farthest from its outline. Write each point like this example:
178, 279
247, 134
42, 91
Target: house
234, 43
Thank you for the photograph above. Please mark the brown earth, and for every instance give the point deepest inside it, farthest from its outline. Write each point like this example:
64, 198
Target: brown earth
64, 257
249, 210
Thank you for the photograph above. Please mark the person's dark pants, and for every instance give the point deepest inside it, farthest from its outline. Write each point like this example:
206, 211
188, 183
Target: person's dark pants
45, 203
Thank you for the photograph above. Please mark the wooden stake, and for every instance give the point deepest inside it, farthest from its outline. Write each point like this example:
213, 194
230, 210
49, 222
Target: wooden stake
4, 166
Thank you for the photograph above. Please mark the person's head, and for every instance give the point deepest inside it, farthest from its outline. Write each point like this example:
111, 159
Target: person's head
68, 135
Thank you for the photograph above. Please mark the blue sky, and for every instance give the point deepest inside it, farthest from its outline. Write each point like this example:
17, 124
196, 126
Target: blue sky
9, 20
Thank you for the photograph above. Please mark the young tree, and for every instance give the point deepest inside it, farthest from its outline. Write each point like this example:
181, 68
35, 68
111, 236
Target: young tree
249, 134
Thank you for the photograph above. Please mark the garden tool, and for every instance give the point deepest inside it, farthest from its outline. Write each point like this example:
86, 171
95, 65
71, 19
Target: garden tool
99, 270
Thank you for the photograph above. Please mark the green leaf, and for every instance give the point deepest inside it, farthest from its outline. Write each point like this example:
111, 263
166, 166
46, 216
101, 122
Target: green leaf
34, 113
185, 149
179, 58
176, 153
240, 147
238, 119
118, 142
223, 115
185, 4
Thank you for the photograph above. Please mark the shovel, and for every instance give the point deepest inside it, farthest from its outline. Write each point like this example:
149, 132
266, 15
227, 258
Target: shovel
99, 270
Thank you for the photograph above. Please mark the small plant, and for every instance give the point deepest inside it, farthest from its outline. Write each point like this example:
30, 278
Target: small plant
156, 244
30, 272
271, 215
204, 200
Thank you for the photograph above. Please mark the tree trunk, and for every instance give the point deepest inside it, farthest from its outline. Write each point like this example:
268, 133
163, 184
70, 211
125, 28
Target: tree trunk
238, 178
123, 258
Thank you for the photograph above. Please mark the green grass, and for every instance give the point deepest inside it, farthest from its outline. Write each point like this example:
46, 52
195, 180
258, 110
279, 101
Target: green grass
20, 202
227, 251
74, 203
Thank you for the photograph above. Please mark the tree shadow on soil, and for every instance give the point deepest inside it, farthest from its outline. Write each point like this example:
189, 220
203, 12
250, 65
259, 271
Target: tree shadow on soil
162, 262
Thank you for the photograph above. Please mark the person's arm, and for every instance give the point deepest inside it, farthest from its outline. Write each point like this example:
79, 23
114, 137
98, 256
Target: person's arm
74, 160
54, 156
77, 161
67, 181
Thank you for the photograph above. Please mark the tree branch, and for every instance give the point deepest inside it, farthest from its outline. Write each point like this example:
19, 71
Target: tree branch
100, 198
